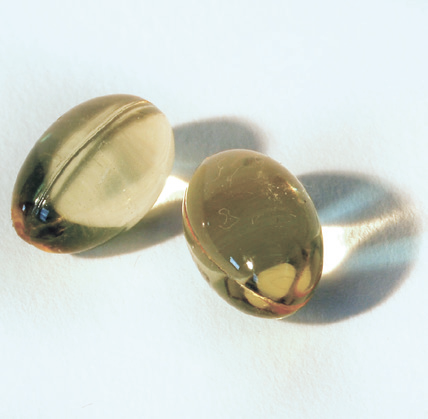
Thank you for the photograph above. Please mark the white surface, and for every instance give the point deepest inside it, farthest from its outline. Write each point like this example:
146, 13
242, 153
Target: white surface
337, 93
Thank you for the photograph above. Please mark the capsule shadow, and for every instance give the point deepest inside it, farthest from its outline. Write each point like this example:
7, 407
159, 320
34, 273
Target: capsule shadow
371, 241
199, 140
193, 143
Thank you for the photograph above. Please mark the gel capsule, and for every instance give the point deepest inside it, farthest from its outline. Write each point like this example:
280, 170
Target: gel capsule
94, 173
253, 232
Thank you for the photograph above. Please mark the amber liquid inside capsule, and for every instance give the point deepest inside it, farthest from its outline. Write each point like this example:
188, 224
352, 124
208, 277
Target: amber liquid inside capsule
94, 173
254, 233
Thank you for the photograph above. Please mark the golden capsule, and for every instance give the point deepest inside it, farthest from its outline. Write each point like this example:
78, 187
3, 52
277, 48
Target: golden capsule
94, 173
253, 232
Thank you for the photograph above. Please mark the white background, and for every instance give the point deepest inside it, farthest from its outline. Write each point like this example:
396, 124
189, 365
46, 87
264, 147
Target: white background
338, 93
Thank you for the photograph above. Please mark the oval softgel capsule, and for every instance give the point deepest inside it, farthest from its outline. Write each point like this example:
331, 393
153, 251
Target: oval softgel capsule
94, 173
253, 232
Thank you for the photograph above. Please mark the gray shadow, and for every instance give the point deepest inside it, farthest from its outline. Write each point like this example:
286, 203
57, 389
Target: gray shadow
199, 140
193, 143
379, 262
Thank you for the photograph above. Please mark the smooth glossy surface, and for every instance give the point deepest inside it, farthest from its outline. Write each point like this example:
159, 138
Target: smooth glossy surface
94, 173
253, 232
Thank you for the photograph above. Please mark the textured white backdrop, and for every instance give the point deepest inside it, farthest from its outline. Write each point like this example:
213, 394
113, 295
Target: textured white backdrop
337, 92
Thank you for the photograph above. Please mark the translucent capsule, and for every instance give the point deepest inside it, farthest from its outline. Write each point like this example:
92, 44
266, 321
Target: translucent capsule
253, 232
94, 173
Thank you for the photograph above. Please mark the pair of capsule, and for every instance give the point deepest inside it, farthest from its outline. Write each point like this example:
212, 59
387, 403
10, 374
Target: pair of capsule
251, 228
